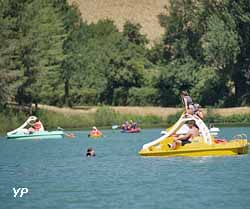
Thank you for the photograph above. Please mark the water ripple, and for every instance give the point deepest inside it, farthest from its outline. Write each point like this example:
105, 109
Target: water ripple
59, 175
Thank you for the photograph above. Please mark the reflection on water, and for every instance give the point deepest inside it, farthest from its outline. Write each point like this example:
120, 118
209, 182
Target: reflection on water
59, 175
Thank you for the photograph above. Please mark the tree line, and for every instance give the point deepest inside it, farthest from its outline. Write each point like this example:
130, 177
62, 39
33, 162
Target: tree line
49, 55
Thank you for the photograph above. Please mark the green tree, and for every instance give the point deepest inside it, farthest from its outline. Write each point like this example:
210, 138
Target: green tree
143, 96
95, 53
132, 33
220, 45
177, 76
9, 37
126, 70
215, 35
77, 34
210, 88
240, 12
41, 53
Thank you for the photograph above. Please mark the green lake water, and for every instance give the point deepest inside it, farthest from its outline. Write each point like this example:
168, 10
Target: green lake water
59, 176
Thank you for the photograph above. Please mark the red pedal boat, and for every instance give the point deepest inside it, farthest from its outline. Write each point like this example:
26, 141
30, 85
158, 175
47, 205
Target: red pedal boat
131, 131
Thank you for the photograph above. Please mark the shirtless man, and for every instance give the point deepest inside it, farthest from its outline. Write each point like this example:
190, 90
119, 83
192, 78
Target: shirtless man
187, 138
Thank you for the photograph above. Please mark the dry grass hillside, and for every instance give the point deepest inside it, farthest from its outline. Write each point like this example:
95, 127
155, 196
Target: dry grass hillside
157, 111
144, 12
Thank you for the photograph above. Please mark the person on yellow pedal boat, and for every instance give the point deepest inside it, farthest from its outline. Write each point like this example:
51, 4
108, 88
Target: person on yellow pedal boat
188, 102
190, 107
187, 138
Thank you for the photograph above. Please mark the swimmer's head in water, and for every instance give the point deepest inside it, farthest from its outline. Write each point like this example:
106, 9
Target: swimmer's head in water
90, 152
89, 149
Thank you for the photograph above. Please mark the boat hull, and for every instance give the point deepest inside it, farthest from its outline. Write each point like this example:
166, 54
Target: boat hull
132, 131
96, 136
235, 147
37, 135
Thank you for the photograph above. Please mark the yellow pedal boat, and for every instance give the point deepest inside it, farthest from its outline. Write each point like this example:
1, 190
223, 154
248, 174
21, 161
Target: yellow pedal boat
203, 145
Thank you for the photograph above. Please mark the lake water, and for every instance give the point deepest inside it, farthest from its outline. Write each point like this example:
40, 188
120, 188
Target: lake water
59, 176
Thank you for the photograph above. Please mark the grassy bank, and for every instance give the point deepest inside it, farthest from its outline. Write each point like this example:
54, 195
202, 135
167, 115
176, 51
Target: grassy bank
146, 110
103, 117
106, 117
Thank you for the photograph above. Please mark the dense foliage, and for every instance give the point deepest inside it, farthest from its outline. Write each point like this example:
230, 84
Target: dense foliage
48, 54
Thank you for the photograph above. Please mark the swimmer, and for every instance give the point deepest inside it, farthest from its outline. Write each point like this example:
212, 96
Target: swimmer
90, 152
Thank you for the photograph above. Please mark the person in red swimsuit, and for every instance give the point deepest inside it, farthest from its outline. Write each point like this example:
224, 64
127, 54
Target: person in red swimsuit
37, 126
95, 131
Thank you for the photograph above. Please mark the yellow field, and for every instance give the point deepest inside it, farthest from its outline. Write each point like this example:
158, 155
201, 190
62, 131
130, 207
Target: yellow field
157, 111
166, 111
67, 110
232, 111
144, 12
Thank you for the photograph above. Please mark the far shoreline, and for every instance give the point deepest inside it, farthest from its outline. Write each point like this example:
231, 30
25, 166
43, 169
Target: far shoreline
85, 117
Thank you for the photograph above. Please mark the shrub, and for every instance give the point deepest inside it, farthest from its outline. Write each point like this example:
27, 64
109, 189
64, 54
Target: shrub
143, 96
84, 96
105, 116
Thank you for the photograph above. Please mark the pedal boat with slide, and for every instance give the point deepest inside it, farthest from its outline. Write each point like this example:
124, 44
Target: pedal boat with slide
203, 145
22, 133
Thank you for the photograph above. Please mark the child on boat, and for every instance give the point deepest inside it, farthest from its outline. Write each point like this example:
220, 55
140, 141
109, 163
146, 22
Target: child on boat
188, 102
126, 126
198, 111
190, 107
132, 124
